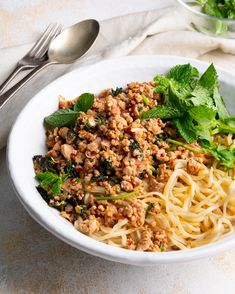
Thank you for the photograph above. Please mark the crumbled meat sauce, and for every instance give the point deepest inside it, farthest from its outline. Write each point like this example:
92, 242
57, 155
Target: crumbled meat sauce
110, 151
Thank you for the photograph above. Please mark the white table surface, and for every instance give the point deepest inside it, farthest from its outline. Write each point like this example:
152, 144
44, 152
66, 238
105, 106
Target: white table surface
34, 261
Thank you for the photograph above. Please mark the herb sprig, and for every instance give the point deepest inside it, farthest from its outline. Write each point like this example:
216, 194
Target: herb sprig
51, 181
68, 117
194, 105
218, 8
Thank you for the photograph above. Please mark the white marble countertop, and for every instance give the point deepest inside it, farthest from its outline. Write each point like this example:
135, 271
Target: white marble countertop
34, 261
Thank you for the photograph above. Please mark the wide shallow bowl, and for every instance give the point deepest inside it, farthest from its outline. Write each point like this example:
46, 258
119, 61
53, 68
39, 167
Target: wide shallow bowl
27, 138
206, 24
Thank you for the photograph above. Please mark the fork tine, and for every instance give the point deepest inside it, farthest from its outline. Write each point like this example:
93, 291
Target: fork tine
40, 42
41, 52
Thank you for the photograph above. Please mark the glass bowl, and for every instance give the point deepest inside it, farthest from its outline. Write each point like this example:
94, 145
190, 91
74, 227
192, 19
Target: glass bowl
206, 24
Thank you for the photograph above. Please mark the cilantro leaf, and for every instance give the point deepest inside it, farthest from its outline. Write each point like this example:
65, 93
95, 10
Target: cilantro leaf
226, 156
227, 125
55, 189
50, 181
46, 179
84, 102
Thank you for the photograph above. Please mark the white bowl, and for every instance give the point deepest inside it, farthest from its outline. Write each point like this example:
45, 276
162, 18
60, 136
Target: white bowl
27, 138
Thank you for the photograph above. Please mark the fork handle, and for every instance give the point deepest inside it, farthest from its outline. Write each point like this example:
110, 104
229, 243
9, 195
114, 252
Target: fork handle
17, 69
4, 98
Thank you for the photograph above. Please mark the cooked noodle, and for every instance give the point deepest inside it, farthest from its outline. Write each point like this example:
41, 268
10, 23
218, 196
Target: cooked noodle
194, 210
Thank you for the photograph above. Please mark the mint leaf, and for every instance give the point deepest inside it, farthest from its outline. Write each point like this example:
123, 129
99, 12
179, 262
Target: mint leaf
201, 96
161, 111
178, 99
61, 118
162, 84
209, 79
183, 73
84, 102
211, 8
219, 103
219, 8
202, 114
186, 128
204, 120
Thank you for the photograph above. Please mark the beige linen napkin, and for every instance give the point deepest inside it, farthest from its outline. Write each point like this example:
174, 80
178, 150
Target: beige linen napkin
155, 32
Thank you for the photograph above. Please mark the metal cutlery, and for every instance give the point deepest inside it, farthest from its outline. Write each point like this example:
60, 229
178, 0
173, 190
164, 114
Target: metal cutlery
36, 55
67, 47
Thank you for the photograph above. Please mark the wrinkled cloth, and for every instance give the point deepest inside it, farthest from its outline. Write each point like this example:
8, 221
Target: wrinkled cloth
162, 31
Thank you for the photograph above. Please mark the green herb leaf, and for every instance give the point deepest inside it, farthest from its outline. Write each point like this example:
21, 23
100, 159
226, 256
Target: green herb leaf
46, 179
219, 103
161, 111
202, 96
186, 128
211, 8
162, 84
226, 156
183, 73
50, 181
209, 79
227, 126
61, 118
202, 114
84, 102
116, 92
220, 8
55, 189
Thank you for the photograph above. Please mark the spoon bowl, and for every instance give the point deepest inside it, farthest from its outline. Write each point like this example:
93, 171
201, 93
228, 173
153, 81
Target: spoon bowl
73, 42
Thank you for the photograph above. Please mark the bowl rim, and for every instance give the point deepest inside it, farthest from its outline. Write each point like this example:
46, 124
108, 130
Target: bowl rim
186, 6
95, 247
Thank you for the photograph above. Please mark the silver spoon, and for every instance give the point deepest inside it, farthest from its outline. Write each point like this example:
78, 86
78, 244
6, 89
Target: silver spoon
67, 47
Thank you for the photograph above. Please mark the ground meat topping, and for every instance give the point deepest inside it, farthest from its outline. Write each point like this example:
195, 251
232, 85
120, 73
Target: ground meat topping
110, 151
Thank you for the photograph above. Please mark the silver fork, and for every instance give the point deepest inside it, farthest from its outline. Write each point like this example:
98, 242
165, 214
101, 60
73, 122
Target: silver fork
36, 54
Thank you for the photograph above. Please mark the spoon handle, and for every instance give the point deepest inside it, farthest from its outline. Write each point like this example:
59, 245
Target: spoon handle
4, 98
